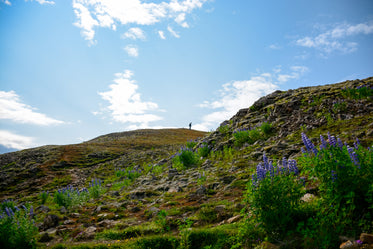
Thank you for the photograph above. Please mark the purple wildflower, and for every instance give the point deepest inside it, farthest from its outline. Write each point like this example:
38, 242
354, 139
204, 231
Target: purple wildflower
332, 140
323, 143
353, 155
309, 145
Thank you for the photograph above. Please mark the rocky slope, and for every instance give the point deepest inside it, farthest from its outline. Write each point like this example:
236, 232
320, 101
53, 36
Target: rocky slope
45, 168
208, 193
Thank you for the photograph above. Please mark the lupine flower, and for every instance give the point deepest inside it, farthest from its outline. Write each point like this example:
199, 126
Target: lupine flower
332, 140
340, 143
353, 155
323, 143
8, 212
309, 145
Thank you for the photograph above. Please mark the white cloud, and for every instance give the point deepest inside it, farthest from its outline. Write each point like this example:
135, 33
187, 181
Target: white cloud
126, 105
7, 2
172, 32
236, 95
274, 46
45, 2
134, 34
180, 19
161, 35
13, 109
109, 13
297, 71
14, 141
334, 39
132, 50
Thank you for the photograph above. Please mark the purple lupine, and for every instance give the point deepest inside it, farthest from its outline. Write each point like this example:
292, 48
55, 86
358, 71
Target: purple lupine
353, 155
32, 211
8, 211
332, 140
340, 143
265, 160
253, 178
271, 169
323, 143
293, 167
309, 145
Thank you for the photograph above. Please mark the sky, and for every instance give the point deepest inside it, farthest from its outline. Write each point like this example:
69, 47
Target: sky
72, 70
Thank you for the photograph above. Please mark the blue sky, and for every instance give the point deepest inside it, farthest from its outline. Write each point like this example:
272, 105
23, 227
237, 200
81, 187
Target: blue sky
71, 70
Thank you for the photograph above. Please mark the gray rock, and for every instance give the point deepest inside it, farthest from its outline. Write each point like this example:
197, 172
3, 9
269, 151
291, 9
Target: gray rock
201, 190
50, 221
45, 237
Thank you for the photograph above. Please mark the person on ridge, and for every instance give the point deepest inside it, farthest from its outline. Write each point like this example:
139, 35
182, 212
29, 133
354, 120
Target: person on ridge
190, 125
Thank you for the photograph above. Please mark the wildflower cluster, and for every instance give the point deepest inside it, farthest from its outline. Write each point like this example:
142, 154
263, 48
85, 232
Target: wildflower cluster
17, 227
95, 188
70, 196
128, 174
203, 149
274, 196
185, 158
359, 92
267, 169
344, 174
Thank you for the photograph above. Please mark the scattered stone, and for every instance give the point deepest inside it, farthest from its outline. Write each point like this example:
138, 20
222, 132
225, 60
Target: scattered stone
43, 209
220, 209
227, 179
50, 221
63, 210
87, 234
74, 215
366, 238
201, 190
97, 209
308, 197
68, 222
45, 237
349, 245
115, 193
172, 173
213, 186
135, 209
234, 219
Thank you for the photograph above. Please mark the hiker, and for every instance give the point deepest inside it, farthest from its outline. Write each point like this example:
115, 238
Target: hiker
190, 125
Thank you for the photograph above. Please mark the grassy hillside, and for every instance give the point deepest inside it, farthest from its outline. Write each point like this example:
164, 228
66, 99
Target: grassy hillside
188, 189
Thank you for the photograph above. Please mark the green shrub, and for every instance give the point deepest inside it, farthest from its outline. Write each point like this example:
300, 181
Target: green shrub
360, 92
208, 238
70, 197
161, 221
247, 136
345, 183
44, 197
266, 128
274, 197
17, 228
157, 242
204, 150
185, 158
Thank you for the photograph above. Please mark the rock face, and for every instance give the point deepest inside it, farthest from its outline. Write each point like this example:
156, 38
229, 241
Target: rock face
305, 109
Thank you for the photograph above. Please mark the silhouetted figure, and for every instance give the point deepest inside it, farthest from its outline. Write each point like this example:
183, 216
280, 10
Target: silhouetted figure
190, 125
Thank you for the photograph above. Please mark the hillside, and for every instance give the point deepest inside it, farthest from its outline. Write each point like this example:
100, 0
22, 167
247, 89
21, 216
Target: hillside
48, 167
149, 194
